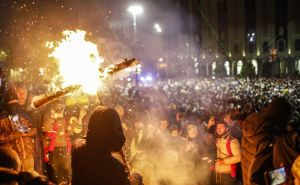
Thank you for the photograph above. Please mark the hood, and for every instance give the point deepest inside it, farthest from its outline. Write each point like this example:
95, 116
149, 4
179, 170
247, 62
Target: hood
253, 124
105, 131
279, 111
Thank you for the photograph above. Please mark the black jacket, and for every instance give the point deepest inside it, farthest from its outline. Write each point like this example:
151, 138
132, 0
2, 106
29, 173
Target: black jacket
96, 168
92, 162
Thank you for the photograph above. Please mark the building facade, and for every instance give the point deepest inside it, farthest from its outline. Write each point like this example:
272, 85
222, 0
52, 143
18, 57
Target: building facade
265, 33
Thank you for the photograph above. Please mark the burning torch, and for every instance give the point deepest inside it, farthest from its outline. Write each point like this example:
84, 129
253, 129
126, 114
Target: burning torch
103, 73
118, 67
47, 98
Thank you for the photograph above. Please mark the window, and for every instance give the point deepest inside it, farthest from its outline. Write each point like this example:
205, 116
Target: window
297, 44
281, 45
236, 48
251, 47
265, 47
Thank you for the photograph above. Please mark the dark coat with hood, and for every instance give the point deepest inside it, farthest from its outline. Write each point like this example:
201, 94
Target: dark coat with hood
92, 162
260, 131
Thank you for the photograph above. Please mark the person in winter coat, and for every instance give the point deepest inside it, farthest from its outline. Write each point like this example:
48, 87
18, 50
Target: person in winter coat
260, 131
92, 162
228, 155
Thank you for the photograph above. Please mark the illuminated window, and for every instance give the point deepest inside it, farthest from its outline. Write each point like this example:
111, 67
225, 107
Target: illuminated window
239, 67
254, 63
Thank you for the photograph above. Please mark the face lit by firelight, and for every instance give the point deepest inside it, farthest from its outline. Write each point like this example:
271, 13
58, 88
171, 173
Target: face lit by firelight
22, 95
221, 129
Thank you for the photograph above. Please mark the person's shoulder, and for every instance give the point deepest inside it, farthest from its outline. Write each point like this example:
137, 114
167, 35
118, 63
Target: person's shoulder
292, 138
255, 116
234, 140
253, 122
114, 162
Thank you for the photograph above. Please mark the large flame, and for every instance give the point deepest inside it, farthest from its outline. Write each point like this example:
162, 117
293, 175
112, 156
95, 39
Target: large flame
78, 60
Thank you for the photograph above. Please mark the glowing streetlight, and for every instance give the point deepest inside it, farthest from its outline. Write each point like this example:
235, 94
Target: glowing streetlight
135, 10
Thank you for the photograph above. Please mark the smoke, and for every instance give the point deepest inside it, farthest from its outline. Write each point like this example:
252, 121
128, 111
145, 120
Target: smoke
178, 44
26, 26
163, 159
157, 155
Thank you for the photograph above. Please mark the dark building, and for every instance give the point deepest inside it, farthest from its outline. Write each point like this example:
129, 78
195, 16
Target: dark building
263, 32
229, 32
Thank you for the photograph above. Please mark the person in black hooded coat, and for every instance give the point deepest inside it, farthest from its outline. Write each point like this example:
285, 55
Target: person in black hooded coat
92, 162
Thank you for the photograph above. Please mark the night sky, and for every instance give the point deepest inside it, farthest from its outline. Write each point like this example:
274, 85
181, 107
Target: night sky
26, 25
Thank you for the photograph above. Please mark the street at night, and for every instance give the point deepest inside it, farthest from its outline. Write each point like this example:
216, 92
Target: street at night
149, 92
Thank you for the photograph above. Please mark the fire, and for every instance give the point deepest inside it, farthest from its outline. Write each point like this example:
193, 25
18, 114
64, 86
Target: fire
78, 60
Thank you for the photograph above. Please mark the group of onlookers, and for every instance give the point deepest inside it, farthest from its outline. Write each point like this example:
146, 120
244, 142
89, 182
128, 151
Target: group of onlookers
197, 131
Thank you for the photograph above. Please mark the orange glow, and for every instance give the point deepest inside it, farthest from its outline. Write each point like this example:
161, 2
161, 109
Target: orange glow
78, 60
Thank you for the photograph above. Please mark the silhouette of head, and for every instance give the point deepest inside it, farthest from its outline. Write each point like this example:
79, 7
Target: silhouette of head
105, 131
279, 111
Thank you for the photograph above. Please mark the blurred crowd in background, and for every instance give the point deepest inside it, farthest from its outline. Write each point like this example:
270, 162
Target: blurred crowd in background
174, 129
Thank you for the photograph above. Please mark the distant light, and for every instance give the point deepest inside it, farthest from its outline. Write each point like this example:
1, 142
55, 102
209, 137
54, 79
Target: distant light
258, 52
217, 56
163, 65
244, 54
41, 71
160, 59
129, 79
251, 37
203, 56
290, 51
142, 79
135, 9
157, 28
229, 55
149, 78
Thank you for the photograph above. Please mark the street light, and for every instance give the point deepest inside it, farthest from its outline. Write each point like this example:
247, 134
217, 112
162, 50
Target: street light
135, 10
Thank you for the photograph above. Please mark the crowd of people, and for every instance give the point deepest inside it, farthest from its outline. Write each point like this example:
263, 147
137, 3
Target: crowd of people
191, 132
